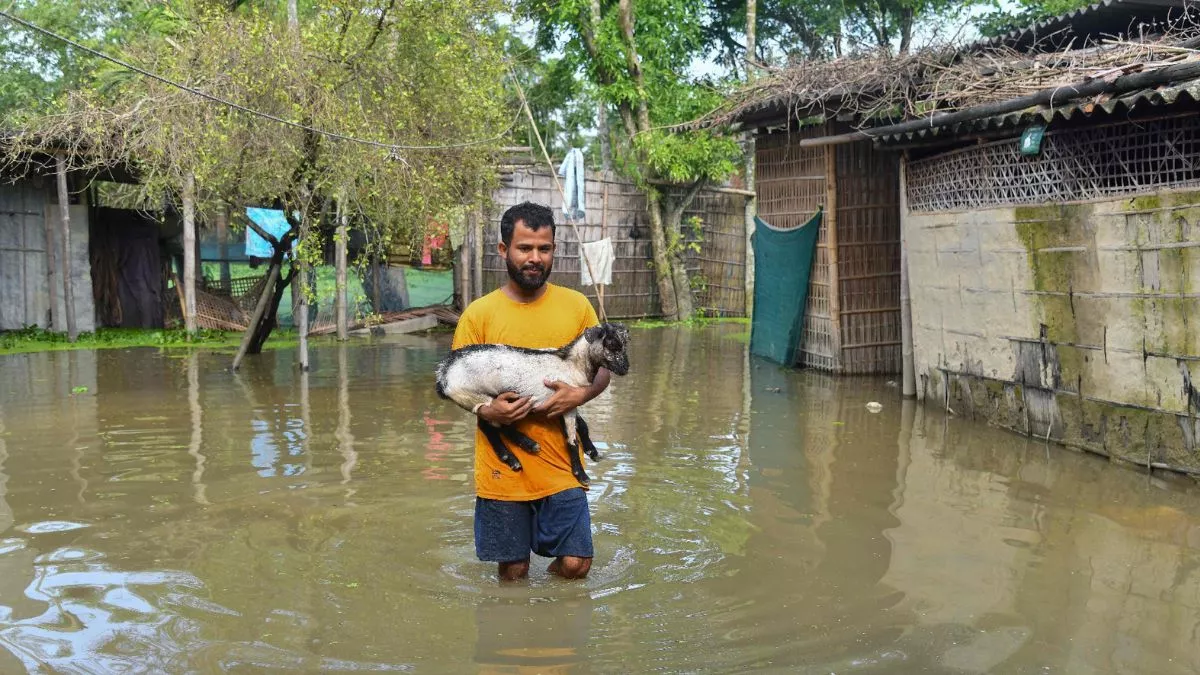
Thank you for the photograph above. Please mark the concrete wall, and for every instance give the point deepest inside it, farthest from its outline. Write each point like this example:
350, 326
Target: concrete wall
1075, 322
25, 288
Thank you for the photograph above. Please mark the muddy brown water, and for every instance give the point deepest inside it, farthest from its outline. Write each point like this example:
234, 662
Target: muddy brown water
177, 518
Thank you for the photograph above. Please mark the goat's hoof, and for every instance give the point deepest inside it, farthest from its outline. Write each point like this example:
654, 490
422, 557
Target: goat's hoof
583, 478
513, 463
534, 448
595, 455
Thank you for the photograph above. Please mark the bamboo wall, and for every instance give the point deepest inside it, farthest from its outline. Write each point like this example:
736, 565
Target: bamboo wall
855, 330
617, 209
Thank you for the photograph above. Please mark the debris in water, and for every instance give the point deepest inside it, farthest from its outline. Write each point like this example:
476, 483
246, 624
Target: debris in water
874, 407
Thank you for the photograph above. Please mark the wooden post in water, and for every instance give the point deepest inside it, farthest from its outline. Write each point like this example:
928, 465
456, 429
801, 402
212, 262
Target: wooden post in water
477, 252
189, 252
64, 255
909, 380
831, 249
341, 244
223, 245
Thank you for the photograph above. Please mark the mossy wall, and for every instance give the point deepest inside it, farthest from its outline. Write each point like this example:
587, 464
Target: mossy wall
1068, 321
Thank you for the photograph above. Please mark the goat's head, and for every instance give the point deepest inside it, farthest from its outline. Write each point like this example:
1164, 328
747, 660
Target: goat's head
607, 346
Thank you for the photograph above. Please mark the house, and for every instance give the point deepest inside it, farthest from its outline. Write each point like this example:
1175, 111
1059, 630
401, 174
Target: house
1048, 212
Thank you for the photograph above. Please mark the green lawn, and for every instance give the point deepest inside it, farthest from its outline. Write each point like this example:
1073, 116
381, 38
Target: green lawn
39, 340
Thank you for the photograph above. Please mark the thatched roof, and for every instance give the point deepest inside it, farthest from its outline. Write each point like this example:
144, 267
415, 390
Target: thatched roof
877, 90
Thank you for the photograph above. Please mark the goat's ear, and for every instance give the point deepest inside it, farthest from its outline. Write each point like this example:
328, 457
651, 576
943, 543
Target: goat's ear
592, 334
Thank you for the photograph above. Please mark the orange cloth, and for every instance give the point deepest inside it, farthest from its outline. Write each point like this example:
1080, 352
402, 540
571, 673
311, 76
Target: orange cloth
553, 320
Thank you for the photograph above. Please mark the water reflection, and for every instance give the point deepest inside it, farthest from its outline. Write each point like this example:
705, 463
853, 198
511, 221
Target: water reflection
176, 517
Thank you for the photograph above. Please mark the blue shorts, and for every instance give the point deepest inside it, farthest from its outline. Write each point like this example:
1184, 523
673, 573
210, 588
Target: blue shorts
552, 526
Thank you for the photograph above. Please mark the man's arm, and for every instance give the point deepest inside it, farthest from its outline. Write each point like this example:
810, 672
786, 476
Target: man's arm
566, 397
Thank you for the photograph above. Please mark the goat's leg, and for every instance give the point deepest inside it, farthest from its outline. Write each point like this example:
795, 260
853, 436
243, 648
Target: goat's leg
523, 442
568, 427
585, 438
502, 451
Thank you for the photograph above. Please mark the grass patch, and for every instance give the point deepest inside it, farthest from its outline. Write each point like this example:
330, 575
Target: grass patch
40, 340
693, 322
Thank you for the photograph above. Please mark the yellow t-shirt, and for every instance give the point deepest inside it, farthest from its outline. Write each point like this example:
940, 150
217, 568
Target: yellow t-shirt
553, 320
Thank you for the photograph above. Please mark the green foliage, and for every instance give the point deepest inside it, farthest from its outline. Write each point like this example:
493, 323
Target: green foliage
34, 339
414, 74
821, 29
669, 35
1023, 13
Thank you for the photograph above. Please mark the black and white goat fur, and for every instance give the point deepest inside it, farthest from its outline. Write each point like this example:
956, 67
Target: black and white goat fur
474, 375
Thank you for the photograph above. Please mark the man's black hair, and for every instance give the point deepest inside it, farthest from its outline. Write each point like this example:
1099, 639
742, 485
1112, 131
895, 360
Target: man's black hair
535, 216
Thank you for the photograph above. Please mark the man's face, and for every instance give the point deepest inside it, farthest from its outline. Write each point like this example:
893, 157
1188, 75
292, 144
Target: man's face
530, 256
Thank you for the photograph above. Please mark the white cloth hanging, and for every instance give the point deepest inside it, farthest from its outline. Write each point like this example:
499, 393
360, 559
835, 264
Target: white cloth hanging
600, 255
574, 185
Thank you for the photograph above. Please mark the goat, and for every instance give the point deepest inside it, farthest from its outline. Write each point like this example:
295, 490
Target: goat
474, 375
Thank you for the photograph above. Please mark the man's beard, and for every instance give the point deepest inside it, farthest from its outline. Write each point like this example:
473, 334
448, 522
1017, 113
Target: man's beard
526, 282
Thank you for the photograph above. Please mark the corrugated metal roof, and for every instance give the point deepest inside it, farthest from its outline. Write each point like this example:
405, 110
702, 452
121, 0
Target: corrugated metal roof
1087, 24
1147, 97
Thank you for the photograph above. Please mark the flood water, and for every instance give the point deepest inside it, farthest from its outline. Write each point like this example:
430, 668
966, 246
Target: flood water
175, 517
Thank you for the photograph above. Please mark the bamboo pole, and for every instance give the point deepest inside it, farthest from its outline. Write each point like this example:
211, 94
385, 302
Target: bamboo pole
909, 380
554, 174
343, 329
831, 248
189, 252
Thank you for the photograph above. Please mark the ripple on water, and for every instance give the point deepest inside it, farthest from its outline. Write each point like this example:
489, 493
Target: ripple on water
50, 526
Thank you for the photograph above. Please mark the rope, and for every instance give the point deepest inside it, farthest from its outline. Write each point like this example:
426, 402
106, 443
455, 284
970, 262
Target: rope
557, 184
217, 99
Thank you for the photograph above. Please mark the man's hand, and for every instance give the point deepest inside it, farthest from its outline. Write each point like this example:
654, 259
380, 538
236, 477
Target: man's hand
564, 399
506, 408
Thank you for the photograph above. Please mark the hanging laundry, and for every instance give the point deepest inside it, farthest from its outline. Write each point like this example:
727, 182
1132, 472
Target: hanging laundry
574, 184
600, 255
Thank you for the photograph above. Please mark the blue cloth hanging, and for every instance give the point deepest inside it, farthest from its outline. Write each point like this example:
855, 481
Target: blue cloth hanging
574, 184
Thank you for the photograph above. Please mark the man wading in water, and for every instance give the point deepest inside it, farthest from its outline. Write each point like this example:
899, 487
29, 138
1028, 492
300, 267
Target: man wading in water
541, 508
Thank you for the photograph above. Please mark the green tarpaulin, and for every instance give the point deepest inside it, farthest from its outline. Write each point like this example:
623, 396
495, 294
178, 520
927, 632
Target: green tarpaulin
782, 263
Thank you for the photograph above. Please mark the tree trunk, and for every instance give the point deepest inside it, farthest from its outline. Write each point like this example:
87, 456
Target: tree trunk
293, 17
64, 256
260, 310
267, 308
339, 304
662, 261
189, 253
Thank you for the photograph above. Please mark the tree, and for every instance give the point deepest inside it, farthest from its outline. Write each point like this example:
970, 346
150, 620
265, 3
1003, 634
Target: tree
636, 56
1025, 13
822, 29
390, 73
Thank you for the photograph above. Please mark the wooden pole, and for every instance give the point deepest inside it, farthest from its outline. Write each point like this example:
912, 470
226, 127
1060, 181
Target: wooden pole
831, 248
477, 252
223, 245
343, 329
64, 255
189, 252
909, 380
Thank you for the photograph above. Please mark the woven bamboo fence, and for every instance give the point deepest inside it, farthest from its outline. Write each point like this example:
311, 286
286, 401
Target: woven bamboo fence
617, 209
855, 330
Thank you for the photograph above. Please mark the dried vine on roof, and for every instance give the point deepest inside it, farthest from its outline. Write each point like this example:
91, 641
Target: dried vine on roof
879, 87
